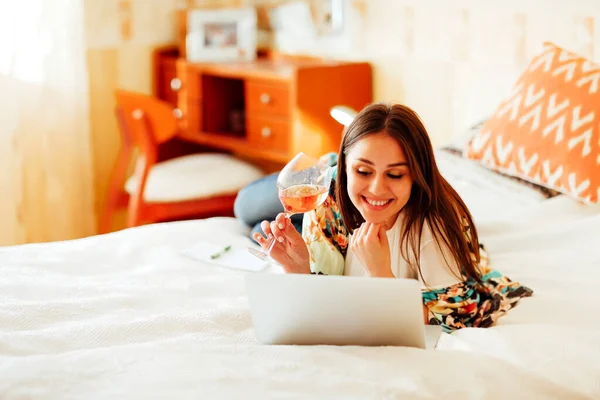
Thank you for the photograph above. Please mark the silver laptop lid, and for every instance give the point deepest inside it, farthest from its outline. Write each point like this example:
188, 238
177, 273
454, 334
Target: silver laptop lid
335, 310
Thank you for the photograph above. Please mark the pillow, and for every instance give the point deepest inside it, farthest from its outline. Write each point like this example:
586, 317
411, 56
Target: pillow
459, 147
548, 130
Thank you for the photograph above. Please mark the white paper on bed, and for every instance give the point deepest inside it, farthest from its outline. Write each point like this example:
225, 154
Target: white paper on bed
235, 257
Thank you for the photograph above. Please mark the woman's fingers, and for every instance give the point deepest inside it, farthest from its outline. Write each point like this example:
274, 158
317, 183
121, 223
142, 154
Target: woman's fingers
277, 231
382, 234
367, 232
266, 227
372, 232
357, 236
264, 241
284, 229
260, 240
362, 231
282, 221
356, 233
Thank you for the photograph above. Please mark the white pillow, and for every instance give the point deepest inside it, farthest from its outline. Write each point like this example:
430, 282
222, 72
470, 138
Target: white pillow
196, 176
459, 144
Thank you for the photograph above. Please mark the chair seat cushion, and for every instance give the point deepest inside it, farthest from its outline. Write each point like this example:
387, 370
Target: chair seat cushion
195, 176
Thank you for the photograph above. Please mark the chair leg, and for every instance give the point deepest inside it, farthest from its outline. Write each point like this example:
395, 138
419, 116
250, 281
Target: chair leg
133, 213
110, 207
115, 201
136, 207
106, 219
117, 198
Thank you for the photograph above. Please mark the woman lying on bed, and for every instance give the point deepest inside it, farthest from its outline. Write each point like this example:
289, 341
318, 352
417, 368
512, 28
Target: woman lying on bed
391, 214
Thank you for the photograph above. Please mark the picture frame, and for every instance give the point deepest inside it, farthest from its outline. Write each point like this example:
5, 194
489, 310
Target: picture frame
224, 34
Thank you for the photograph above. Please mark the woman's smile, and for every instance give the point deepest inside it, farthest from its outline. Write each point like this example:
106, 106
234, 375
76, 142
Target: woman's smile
376, 204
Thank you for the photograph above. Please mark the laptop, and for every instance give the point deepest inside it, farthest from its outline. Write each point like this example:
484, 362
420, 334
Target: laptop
297, 309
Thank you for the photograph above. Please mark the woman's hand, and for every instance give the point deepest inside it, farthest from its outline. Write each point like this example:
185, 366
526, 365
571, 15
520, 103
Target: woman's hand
289, 250
370, 245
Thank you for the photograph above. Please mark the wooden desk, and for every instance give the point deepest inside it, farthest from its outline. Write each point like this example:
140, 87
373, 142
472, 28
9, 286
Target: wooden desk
269, 109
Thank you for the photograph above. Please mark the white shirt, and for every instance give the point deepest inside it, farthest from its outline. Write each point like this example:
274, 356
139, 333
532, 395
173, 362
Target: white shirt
437, 273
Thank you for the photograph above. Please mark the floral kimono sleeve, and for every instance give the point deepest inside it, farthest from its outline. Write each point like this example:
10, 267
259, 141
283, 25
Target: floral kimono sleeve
326, 238
471, 304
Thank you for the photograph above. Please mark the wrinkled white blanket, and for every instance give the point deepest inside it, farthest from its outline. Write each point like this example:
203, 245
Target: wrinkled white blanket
125, 315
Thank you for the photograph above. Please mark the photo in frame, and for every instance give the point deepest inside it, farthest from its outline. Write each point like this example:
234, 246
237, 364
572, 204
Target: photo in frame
225, 34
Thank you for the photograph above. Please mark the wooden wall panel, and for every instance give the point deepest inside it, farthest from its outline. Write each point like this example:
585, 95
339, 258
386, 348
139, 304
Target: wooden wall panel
104, 75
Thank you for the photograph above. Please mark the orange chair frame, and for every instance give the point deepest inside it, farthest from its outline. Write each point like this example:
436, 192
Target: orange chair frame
145, 123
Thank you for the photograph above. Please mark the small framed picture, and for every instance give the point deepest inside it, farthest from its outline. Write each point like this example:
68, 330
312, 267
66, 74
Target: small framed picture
225, 34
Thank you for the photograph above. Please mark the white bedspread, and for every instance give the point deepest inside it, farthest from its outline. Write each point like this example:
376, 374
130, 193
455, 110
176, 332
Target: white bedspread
126, 316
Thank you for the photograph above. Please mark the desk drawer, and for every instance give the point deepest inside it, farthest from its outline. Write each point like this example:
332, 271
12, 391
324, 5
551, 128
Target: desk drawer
271, 133
267, 97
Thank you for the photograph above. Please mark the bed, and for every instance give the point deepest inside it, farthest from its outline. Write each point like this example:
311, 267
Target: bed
126, 315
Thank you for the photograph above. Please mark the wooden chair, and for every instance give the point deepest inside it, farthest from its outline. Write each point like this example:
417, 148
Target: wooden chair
196, 185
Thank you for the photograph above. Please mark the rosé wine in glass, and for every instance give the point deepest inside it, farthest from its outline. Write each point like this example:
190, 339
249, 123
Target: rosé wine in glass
303, 185
302, 198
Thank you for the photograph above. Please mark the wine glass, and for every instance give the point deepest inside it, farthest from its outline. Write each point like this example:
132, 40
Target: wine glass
303, 185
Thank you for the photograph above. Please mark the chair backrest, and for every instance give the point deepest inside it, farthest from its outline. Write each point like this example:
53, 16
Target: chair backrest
145, 119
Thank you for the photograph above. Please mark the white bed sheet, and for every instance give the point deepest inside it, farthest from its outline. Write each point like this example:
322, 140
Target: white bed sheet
126, 315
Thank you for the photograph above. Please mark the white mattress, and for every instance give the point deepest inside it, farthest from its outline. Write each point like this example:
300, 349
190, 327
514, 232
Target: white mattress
125, 315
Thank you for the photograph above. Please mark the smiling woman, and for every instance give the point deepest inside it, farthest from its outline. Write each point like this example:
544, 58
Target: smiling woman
395, 137
393, 215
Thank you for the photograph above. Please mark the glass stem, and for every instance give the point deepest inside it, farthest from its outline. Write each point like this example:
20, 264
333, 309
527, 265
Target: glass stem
272, 244
268, 250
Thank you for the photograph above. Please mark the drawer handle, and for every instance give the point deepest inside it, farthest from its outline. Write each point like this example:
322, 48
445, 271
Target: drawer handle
265, 98
137, 114
265, 132
177, 113
175, 84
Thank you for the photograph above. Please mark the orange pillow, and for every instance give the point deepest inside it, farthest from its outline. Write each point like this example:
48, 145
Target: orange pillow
548, 130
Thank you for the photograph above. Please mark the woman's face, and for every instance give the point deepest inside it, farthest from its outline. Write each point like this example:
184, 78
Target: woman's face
379, 181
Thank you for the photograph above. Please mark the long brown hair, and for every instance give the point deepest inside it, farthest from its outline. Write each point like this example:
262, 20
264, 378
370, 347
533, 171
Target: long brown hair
432, 199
